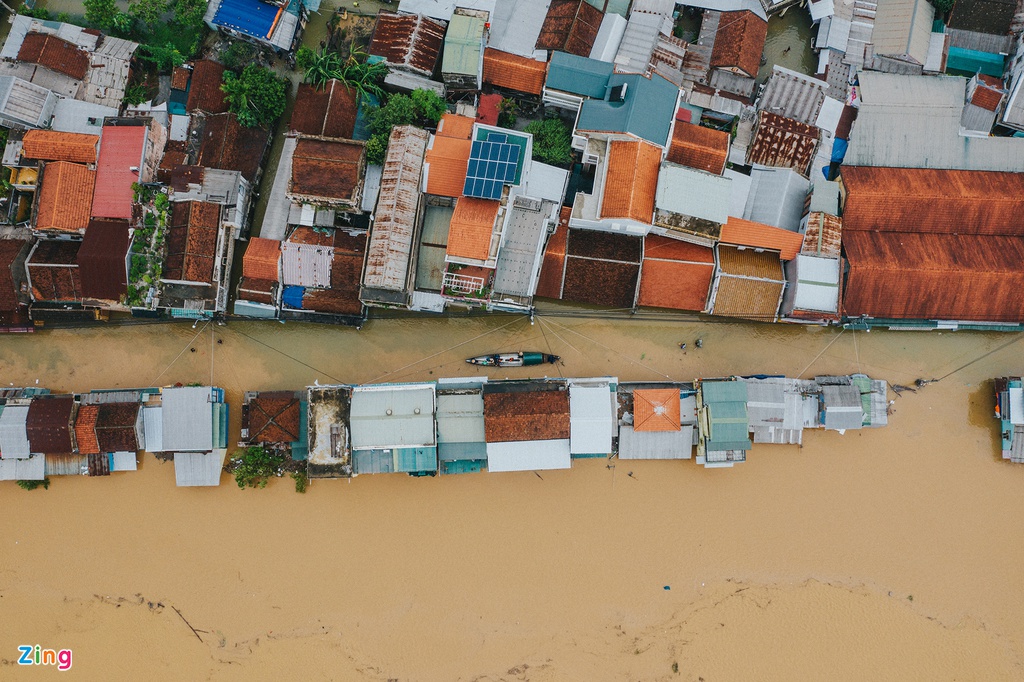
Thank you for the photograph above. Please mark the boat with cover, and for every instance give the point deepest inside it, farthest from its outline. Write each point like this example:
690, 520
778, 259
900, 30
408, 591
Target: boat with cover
520, 359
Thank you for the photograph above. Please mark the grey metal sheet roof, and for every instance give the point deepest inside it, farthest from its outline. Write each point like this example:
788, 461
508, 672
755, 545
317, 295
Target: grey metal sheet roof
730, 6
694, 193
25, 102
903, 27
456, 452
546, 182
393, 416
776, 197
516, 24
592, 420
843, 408
442, 9
29, 469
153, 429
306, 265
793, 95
656, 444
914, 122
817, 283
13, 432
275, 218
824, 197
522, 247
187, 418
75, 116
460, 418
198, 468
639, 40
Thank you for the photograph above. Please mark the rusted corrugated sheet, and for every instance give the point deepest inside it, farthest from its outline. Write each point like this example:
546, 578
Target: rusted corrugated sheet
934, 276
783, 143
99, 465
391, 238
408, 41
929, 200
823, 235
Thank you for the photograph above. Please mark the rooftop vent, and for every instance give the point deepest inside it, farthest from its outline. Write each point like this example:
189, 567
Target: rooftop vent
617, 93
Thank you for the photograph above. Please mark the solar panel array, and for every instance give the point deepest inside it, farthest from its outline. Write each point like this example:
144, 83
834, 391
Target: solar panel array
491, 166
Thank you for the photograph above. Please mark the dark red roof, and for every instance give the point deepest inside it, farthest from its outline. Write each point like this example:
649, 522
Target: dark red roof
101, 259
525, 416
602, 268
272, 417
227, 145
570, 26
11, 310
739, 42
115, 427
413, 41
54, 53
204, 93
330, 112
49, 424
192, 242
549, 285
61, 283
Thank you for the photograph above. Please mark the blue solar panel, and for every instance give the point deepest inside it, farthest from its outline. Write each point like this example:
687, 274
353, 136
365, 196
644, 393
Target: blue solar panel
492, 163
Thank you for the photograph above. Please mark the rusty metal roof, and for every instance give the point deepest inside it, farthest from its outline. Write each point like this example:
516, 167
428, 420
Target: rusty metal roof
408, 41
783, 143
823, 235
570, 26
391, 238
739, 42
328, 170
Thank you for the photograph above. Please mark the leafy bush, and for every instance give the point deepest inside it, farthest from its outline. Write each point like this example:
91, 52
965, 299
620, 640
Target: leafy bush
507, 113
429, 105
305, 57
552, 141
37, 13
135, 94
254, 467
32, 485
239, 54
257, 97
376, 149
301, 481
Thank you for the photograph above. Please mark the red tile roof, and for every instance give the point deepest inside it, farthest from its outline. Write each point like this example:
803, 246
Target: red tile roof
261, 259
472, 227
698, 147
330, 112
656, 409
258, 290
446, 163
934, 276
570, 26
65, 197
512, 72
741, 232
204, 93
408, 40
51, 145
54, 53
988, 94
227, 145
927, 200
525, 416
101, 260
179, 78
62, 283
552, 270
739, 42
85, 430
115, 427
783, 143
632, 180
272, 417
675, 274
121, 150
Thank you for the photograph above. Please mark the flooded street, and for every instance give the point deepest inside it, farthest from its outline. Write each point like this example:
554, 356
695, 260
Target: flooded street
789, 43
884, 554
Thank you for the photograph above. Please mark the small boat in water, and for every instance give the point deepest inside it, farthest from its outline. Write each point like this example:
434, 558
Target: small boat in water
520, 359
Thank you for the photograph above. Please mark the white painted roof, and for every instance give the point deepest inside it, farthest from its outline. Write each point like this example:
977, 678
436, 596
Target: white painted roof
591, 419
198, 468
516, 24
393, 416
817, 286
546, 182
609, 37
152, 427
13, 432
187, 418
528, 455
29, 469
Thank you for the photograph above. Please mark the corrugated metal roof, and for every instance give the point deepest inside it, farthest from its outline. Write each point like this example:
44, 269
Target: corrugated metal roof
391, 238
306, 265
776, 197
903, 27
392, 416
570, 26
693, 193
793, 95
460, 417
578, 75
187, 418
655, 444
823, 235
516, 24
825, 197
522, 247
13, 432
407, 41
443, 9
152, 428
26, 102
641, 35
783, 143
843, 408
592, 419
198, 468
533, 455
647, 111
514, 72
817, 284
463, 45
739, 42
29, 469
914, 122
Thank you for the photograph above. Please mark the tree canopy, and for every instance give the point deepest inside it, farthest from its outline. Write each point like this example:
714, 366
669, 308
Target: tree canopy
422, 106
257, 97
552, 141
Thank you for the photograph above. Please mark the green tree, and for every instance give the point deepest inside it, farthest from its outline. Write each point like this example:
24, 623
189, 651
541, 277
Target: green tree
32, 485
320, 67
944, 5
304, 58
377, 149
163, 58
254, 467
552, 141
399, 111
148, 12
101, 13
190, 13
429, 105
257, 97
239, 54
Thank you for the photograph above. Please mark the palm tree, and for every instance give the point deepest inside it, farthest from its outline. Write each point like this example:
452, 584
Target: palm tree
326, 65
355, 72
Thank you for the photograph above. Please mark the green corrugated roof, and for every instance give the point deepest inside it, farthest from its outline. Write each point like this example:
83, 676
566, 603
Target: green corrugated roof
972, 61
462, 45
578, 75
647, 111
727, 406
724, 391
412, 460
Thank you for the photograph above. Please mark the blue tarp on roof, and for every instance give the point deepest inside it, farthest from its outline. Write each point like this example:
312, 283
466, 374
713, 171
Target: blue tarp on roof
839, 150
292, 297
251, 17
971, 62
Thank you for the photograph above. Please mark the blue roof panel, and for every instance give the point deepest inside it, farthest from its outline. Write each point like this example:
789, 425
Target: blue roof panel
251, 17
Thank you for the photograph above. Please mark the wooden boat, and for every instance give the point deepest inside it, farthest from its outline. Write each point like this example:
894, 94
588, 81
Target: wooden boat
520, 359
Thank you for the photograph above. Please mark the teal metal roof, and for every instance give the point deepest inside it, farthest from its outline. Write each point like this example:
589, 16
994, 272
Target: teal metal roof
724, 391
462, 45
414, 460
647, 110
972, 61
727, 404
578, 75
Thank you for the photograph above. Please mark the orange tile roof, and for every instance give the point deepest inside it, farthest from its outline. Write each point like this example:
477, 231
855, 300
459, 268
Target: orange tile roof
675, 274
757, 235
698, 147
51, 145
85, 430
447, 160
632, 180
739, 42
261, 259
552, 270
988, 94
656, 409
472, 225
65, 198
513, 72
453, 125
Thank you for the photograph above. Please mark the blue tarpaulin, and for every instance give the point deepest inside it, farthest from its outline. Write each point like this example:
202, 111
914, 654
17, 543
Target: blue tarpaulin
251, 17
292, 297
839, 150
970, 62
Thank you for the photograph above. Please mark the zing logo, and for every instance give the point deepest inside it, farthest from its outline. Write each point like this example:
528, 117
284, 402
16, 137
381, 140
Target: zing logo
35, 655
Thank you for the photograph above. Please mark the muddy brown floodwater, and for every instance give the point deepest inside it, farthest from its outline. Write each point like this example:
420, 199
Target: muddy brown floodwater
888, 554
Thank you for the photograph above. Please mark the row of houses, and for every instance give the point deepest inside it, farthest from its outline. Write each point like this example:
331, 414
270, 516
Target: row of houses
450, 426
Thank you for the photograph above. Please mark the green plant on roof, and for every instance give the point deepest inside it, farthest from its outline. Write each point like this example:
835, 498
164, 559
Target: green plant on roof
552, 141
355, 72
376, 150
239, 54
507, 113
257, 96
428, 105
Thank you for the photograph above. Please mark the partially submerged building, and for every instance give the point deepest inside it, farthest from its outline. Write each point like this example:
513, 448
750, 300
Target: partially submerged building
656, 420
461, 440
189, 423
527, 425
393, 429
330, 443
276, 421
